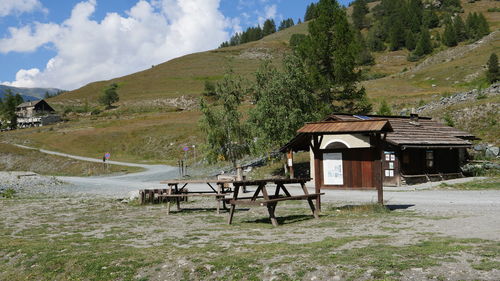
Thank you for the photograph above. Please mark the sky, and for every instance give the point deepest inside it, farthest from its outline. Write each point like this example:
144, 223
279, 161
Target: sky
67, 44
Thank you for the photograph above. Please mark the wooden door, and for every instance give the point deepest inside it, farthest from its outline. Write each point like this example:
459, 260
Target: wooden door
357, 168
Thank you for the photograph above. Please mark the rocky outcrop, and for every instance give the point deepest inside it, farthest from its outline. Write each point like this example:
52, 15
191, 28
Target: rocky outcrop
459, 98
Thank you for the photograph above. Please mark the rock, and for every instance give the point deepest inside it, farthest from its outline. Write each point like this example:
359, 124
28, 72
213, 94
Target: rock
479, 147
492, 151
132, 195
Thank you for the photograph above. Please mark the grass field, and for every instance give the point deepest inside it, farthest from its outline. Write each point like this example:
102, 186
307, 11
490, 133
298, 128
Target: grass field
89, 239
13, 158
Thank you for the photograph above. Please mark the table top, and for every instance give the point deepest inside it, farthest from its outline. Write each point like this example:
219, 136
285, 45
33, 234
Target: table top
276, 181
195, 181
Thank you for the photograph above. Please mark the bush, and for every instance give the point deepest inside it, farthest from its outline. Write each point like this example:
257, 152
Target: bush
412, 57
8, 193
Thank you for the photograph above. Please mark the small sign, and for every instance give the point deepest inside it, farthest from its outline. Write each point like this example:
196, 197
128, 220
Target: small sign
186, 148
107, 155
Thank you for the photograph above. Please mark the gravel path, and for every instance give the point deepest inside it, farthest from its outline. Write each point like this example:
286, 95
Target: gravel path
111, 186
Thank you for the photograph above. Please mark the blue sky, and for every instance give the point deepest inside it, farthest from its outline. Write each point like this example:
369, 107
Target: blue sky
67, 44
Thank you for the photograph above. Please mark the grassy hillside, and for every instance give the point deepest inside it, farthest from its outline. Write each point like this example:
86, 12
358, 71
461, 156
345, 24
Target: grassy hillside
149, 126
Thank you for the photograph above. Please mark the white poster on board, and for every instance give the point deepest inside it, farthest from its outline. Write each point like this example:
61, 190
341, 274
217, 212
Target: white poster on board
333, 173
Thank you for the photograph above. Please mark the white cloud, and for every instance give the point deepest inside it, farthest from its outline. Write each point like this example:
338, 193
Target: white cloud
88, 50
8, 7
270, 12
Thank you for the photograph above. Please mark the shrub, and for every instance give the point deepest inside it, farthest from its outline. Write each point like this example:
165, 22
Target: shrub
8, 193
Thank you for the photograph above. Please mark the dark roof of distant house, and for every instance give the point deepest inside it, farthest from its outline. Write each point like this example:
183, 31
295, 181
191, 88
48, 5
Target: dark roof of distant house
400, 130
29, 103
45, 106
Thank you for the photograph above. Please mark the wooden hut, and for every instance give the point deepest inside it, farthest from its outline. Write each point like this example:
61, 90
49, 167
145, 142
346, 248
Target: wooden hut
368, 152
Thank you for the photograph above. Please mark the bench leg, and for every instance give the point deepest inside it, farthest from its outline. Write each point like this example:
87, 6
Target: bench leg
168, 206
178, 203
313, 209
271, 208
231, 213
218, 205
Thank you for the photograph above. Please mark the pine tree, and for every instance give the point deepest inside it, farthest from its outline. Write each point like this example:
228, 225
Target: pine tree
493, 73
359, 11
430, 19
424, 45
396, 36
483, 26
415, 13
374, 43
286, 24
364, 56
330, 53
8, 107
460, 31
477, 26
269, 27
449, 36
410, 42
311, 12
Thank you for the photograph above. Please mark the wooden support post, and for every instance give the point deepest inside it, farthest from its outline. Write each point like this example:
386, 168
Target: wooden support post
289, 164
378, 168
316, 144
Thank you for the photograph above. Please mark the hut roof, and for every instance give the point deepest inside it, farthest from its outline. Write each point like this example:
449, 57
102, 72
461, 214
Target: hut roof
411, 132
401, 131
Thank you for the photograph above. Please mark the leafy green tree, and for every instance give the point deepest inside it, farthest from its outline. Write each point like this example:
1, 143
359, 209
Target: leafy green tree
359, 11
424, 45
109, 96
284, 101
384, 109
330, 52
449, 37
209, 90
269, 27
226, 135
493, 73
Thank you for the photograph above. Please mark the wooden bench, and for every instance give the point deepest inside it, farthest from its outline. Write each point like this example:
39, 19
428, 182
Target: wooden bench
270, 201
176, 193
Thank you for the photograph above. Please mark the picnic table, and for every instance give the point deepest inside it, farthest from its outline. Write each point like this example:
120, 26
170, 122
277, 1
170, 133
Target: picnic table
175, 193
280, 194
